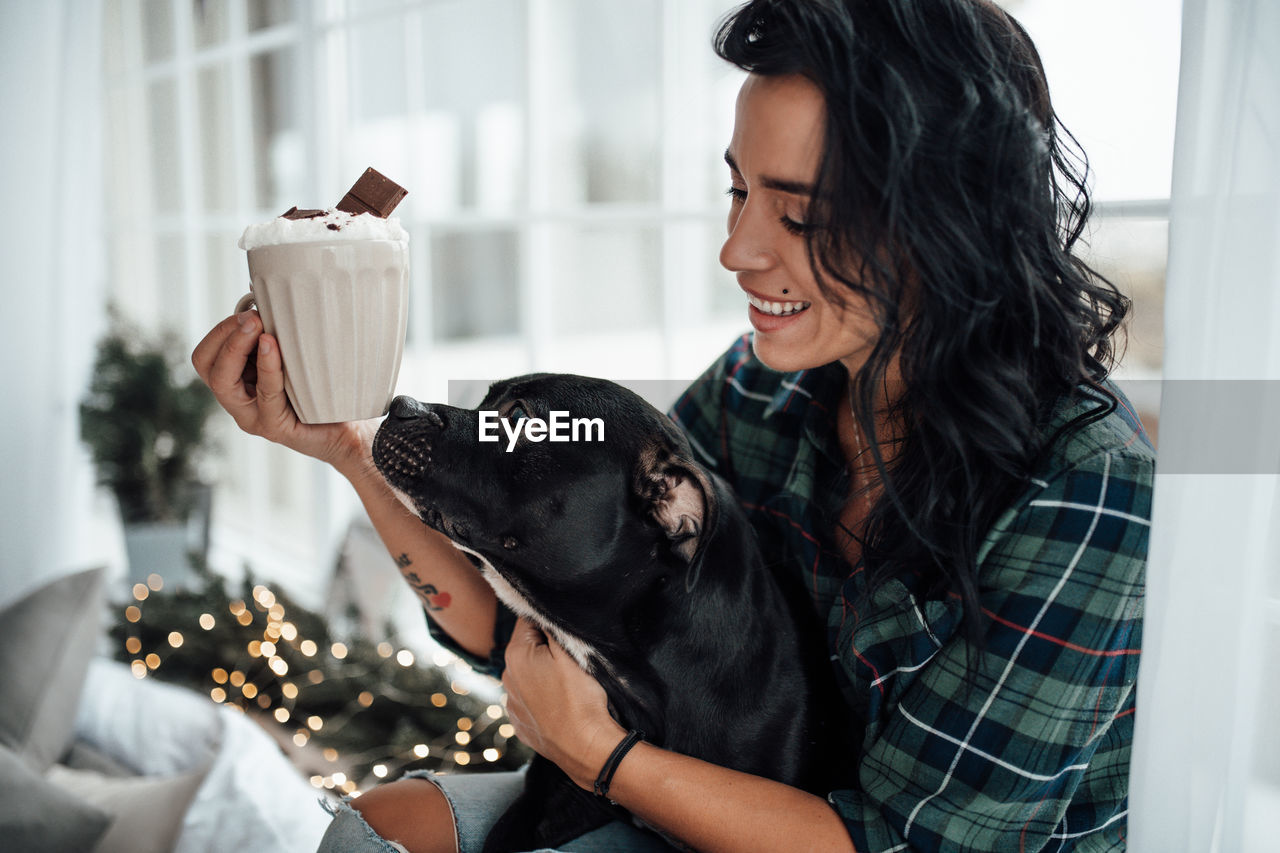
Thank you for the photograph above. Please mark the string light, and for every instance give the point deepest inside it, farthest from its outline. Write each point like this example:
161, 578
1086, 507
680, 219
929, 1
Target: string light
283, 703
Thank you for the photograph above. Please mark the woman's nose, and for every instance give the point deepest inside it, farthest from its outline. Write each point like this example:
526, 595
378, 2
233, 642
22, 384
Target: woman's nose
747, 248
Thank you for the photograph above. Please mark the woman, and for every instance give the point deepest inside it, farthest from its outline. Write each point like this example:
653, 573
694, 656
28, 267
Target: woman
922, 430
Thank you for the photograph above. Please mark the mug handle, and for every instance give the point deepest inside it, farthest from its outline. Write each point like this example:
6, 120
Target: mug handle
246, 302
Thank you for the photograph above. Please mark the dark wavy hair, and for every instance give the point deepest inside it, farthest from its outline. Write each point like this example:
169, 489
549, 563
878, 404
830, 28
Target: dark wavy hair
950, 198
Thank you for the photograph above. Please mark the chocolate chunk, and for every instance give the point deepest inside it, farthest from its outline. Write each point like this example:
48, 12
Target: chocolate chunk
294, 213
373, 193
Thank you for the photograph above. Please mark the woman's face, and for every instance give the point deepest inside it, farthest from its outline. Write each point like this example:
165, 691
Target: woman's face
773, 162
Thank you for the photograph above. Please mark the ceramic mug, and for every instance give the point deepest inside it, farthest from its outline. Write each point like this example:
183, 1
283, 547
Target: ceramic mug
339, 311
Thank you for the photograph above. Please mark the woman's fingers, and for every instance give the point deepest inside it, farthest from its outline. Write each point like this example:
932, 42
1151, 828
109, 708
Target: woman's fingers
270, 378
206, 352
226, 375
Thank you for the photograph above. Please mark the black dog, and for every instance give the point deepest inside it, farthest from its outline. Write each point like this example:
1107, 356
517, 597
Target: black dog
632, 556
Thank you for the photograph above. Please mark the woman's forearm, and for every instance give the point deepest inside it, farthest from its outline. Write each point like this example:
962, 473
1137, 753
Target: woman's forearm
711, 808
451, 590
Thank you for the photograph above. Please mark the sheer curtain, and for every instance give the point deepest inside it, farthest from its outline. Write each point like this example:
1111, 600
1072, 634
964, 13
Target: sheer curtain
51, 286
1206, 769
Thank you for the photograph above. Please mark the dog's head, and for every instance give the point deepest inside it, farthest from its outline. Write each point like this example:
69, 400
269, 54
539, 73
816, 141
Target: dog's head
578, 498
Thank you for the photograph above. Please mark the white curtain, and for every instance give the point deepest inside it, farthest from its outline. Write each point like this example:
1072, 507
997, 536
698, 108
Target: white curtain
51, 274
1206, 768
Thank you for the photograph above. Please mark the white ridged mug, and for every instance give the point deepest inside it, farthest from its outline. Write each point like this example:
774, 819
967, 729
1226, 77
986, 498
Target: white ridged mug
340, 311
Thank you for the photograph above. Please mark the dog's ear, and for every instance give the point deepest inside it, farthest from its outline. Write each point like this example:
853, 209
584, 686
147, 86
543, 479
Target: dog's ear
678, 496
680, 509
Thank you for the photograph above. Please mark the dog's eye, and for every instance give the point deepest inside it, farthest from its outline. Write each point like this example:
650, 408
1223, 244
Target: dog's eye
516, 412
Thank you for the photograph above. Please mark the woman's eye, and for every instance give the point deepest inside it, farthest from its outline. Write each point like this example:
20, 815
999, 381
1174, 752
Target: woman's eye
736, 193
797, 228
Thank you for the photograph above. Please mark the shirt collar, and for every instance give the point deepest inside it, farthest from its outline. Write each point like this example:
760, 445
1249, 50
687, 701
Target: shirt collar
807, 392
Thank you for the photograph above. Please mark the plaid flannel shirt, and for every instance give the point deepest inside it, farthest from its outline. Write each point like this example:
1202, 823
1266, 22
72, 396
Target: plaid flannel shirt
1035, 753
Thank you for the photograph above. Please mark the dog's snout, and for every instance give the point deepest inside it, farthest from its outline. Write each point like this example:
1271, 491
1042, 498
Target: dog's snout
406, 408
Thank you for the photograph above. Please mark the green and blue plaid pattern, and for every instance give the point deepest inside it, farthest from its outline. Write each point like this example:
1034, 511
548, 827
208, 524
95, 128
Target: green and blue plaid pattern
1031, 752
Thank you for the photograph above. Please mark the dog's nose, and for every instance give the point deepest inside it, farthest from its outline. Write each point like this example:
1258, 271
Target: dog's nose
404, 408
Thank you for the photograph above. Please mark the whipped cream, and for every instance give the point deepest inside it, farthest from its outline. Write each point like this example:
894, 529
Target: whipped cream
333, 225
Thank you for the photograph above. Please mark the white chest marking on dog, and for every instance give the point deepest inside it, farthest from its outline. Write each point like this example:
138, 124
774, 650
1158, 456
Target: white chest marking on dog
584, 654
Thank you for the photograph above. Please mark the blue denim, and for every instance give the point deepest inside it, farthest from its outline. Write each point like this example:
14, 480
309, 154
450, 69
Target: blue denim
477, 801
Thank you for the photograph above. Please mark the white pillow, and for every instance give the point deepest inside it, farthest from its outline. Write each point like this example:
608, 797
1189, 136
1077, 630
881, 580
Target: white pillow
146, 811
155, 728
253, 800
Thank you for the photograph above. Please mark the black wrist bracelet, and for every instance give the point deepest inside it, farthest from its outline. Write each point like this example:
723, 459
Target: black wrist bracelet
615, 758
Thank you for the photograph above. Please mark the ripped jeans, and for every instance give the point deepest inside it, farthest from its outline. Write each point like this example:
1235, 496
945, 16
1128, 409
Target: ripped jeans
477, 800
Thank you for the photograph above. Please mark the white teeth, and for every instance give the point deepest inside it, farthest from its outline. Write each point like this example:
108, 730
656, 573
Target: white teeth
777, 309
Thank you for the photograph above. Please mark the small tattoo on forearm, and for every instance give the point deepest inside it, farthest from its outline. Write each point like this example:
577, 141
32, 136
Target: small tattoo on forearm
432, 599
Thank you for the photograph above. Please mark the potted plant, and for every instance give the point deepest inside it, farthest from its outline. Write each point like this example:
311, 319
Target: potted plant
146, 431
